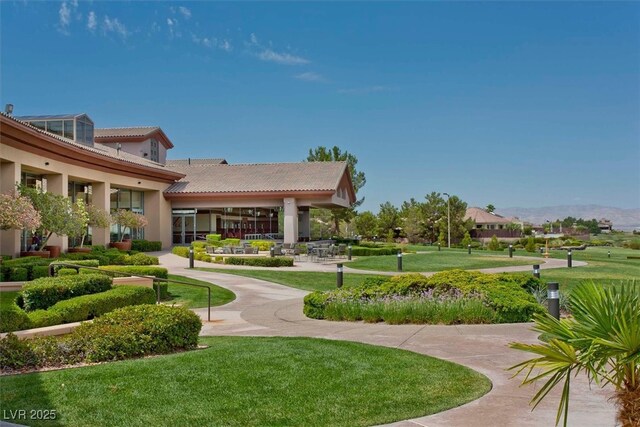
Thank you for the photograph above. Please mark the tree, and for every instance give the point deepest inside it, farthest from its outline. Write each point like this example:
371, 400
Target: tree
79, 220
602, 339
466, 240
458, 224
366, 224
490, 208
88, 216
412, 222
17, 213
55, 211
322, 154
128, 219
434, 211
388, 219
531, 244
494, 245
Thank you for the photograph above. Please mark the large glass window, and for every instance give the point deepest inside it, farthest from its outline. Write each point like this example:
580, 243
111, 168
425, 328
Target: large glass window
123, 198
68, 129
55, 126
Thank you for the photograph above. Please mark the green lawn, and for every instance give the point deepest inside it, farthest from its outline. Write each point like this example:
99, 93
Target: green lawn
437, 261
305, 280
241, 381
193, 297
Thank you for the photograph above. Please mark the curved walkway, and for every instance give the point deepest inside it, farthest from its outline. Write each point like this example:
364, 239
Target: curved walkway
267, 309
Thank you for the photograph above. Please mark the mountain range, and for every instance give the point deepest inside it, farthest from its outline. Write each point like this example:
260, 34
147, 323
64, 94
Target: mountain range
622, 219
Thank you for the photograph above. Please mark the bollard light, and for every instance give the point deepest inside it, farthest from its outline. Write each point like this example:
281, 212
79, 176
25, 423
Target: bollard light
608, 254
339, 277
439, 247
399, 260
536, 270
190, 257
510, 251
469, 249
349, 252
272, 251
569, 259
553, 299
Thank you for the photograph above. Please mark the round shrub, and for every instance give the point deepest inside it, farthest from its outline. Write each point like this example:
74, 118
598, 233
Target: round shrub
141, 259
47, 291
13, 318
182, 251
138, 331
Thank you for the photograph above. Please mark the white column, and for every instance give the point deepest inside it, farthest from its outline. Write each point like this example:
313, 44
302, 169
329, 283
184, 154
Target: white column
101, 198
290, 220
9, 239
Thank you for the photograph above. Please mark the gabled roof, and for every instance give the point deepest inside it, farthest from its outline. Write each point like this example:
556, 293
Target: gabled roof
196, 162
481, 216
259, 178
131, 134
50, 117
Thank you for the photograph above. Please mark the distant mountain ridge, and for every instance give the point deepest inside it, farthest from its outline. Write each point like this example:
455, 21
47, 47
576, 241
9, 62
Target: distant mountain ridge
622, 219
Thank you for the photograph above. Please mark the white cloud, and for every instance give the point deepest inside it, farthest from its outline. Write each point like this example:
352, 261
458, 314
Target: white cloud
310, 76
92, 21
363, 90
114, 26
254, 39
64, 14
281, 57
184, 12
225, 45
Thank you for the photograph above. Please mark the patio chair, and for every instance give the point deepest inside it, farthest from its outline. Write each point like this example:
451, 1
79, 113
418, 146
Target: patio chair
277, 250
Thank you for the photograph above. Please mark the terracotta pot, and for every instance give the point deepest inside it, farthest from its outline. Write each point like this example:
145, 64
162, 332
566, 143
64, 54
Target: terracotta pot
41, 254
121, 246
79, 250
54, 250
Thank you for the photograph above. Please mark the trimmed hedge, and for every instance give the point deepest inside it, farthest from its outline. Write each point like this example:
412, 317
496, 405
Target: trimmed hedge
262, 245
138, 270
182, 251
85, 263
23, 269
213, 238
146, 246
503, 293
260, 261
13, 318
124, 333
367, 251
90, 306
47, 291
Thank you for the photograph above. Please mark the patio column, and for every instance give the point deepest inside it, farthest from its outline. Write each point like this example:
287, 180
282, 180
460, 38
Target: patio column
9, 239
290, 220
304, 224
157, 210
58, 184
101, 198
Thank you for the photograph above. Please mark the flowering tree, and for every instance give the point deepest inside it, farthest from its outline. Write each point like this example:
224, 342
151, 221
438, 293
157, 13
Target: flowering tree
98, 218
17, 213
128, 219
79, 220
56, 212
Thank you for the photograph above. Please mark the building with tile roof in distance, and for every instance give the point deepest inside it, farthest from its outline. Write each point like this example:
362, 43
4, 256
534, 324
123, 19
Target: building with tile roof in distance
488, 224
183, 199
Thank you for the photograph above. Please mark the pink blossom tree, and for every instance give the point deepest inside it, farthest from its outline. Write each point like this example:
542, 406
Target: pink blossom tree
17, 213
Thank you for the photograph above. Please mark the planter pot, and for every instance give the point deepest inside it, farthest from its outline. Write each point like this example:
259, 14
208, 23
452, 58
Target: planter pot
121, 246
41, 254
54, 250
79, 250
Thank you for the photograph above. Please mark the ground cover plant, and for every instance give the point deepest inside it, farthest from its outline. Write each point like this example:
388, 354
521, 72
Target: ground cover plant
193, 297
251, 381
449, 297
305, 280
436, 261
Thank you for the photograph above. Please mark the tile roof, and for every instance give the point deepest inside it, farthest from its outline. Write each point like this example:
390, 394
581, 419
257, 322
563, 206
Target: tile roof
195, 162
481, 216
96, 148
258, 177
125, 131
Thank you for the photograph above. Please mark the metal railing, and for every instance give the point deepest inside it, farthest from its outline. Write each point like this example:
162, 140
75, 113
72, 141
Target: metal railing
122, 273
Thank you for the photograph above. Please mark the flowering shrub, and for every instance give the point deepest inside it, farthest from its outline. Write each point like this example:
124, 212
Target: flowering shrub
17, 212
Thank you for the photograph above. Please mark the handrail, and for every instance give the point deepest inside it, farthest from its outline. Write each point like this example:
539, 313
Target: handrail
66, 264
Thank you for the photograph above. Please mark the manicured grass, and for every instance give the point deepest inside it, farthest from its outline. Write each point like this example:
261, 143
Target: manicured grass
305, 280
250, 382
194, 297
436, 261
600, 268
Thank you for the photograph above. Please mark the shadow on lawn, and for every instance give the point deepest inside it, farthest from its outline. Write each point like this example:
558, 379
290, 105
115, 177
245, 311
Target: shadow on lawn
25, 401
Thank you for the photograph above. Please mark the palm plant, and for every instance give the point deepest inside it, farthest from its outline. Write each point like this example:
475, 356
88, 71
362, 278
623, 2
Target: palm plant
602, 339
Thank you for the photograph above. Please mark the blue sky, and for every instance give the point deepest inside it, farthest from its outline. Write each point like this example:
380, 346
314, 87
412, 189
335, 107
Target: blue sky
509, 103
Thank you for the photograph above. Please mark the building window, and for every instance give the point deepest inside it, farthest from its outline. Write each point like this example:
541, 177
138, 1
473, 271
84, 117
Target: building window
155, 153
123, 198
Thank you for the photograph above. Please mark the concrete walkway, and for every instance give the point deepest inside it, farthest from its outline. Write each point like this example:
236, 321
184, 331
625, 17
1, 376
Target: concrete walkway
267, 309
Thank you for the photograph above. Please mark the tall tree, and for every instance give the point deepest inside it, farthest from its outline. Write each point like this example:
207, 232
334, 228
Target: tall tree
491, 208
388, 219
366, 224
335, 154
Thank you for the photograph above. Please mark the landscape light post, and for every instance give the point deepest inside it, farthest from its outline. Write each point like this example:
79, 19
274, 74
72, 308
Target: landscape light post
339, 277
448, 221
510, 251
553, 299
469, 249
190, 257
536, 271
569, 258
349, 252
399, 259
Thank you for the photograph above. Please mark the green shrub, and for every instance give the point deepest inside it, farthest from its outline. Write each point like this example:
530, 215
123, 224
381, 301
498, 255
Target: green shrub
199, 245
18, 274
146, 246
373, 251
230, 242
47, 291
262, 245
85, 263
13, 318
211, 238
260, 261
182, 251
164, 289
89, 306
530, 245
39, 271
16, 354
141, 259
494, 245
201, 256
42, 318
138, 270
138, 331
67, 272
315, 304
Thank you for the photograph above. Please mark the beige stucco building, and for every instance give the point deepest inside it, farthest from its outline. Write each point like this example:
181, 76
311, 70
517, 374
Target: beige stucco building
183, 200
